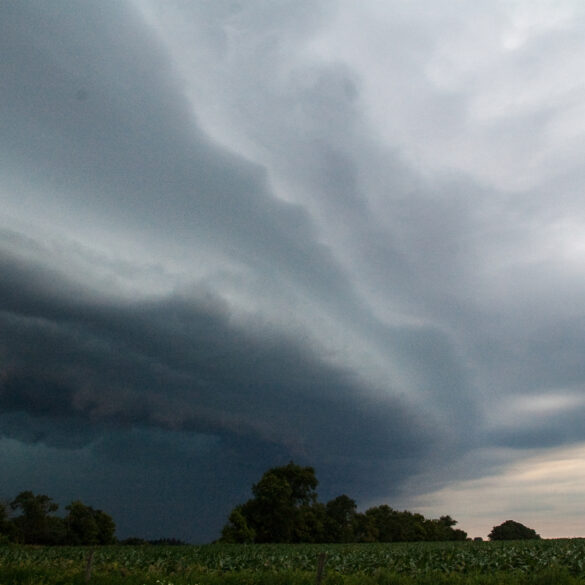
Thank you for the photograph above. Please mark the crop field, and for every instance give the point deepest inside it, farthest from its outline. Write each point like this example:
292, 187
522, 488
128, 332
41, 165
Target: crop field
554, 562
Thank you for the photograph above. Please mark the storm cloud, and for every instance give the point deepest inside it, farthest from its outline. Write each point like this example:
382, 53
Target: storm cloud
233, 235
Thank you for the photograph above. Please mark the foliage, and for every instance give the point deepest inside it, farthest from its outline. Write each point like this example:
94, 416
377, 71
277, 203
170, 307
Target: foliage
237, 529
85, 525
536, 562
285, 509
340, 517
36, 524
511, 530
272, 512
133, 541
167, 542
6, 527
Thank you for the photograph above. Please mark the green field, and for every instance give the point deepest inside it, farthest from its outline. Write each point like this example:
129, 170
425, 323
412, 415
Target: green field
553, 562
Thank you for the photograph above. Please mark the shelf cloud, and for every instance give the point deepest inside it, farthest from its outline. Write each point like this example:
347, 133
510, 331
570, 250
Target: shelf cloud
234, 235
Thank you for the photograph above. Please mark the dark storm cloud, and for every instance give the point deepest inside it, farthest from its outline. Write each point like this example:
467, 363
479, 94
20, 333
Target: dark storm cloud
95, 121
184, 364
340, 275
97, 131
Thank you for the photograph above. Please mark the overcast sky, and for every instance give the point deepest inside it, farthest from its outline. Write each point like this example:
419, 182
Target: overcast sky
350, 234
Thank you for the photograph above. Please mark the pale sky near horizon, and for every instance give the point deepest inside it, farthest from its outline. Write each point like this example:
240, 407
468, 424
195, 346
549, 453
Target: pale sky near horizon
348, 234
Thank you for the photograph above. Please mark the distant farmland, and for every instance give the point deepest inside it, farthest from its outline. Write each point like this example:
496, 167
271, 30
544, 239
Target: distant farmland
477, 563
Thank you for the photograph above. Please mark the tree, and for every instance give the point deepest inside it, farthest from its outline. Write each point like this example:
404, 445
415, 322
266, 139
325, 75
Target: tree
388, 525
237, 529
271, 512
283, 508
394, 526
511, 530
301, 480
442, 529
106, 527
87, 526
385, 523
340, 516
364, 529
35, 525
6, 527
310, 523
81, 525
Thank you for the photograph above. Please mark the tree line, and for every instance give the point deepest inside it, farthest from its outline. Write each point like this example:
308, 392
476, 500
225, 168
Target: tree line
35, 522
285, 509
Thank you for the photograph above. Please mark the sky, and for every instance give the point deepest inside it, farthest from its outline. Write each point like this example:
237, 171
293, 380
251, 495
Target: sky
348, 234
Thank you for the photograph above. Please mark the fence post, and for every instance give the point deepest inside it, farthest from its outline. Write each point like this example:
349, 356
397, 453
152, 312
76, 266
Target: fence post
88, 566
320, 568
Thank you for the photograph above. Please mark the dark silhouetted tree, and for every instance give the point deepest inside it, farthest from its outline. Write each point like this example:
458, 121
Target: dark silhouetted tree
285, 509
168, 542
282, 509
365, 529
87, 526
310, 523
35, 525
511, 530
237, 529
443, 529
133, 541
271, 512
80, 524
106, 527
6, 527
386, 523
340, 515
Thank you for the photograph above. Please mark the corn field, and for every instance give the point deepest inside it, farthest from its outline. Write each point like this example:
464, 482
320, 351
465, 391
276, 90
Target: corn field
544, 561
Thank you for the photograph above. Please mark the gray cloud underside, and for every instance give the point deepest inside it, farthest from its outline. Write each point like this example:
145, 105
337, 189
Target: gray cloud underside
145, 164
182, 364
104, 116
181, 408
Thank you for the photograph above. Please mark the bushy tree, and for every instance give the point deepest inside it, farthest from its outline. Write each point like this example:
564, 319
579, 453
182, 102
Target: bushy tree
443, 529
302, 482
35, 525
285, 509
81, 525
386, 523
365, 529
340, 515
237, 529
511, 530
272, 510
310, 523
134, 541
6, 527
281, 509
87, 526
106, 527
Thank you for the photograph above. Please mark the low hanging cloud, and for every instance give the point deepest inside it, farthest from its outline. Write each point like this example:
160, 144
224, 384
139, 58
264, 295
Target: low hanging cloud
77, 366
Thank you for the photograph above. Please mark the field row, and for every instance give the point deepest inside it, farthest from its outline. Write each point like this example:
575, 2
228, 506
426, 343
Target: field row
376, 563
